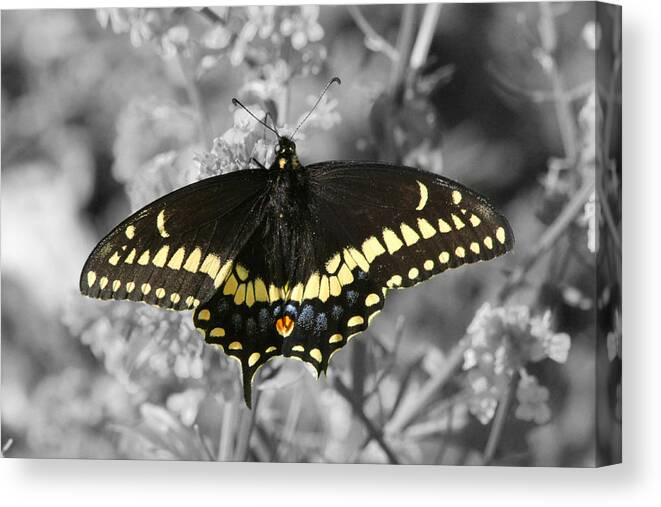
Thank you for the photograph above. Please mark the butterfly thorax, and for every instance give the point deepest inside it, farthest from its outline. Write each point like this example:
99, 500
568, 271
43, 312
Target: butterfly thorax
285, 155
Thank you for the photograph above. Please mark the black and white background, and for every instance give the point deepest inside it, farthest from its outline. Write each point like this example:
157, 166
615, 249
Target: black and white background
635, 42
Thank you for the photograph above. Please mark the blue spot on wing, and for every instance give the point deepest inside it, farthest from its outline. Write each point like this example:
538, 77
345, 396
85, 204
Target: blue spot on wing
320, 323
306, 317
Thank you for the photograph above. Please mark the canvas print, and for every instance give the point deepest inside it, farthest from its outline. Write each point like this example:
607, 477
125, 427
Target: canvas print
329, 234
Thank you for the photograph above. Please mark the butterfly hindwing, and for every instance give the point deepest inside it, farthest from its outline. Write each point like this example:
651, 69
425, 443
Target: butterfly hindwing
175, 252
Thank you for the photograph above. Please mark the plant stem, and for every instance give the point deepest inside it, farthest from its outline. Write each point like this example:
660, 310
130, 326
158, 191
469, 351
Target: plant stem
404, 41
374, 433
371, 35
499, 420
409, 411
195, 97
425, 35
548, 240
562, 101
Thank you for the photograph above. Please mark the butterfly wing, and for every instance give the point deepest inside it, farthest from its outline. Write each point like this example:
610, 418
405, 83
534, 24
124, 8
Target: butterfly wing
366, 228
386, 227
175, 252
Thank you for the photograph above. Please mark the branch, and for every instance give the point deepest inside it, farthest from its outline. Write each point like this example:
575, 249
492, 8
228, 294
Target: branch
410, 411
548, 240
195, 97
425, 35
373, 40
499, 420
374, 433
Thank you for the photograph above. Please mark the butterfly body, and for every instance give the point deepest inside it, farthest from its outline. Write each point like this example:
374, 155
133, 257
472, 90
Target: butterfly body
293, 260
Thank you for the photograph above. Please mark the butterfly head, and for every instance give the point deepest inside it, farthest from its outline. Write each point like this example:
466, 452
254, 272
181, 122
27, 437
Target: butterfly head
285, 154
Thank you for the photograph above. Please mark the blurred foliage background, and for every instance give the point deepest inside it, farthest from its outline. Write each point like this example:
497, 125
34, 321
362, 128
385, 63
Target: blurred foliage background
103, 111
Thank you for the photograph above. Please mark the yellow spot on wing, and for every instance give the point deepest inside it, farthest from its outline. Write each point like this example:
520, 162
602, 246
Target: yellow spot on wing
160, 293
475, 248
410, 236
428, 265
161, 256
372, 248
270, 349
274, 293
344, 275
356, 320
114, 259
261, 294
116, 285
211, 265
426, 228
103, 282
130, 257
204, 315
217, 332
177, 259
358, 258
333, 263
460, 252
145, 288
254, 357
488, 242
250, 294
189, 301
395, 281
240, 294
456, 196
444, 257
91, 278
500, 235
312, 287
458, 223
424, 194
175, 298
324, 289
130, 232
393, 243
160, 224
335, 338
144, 258
222, 274
235, 346
193, 261
413, 273
242, 272
443, 226
475, 220
372, 300
298, 348
335, 286
130, 287
230, 286
316, 355
296, 293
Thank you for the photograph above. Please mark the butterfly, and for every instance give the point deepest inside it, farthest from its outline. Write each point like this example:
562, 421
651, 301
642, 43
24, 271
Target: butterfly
293, 260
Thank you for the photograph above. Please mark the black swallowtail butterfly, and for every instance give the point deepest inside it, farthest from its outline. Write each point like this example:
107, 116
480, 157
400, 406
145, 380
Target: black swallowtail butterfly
293, 260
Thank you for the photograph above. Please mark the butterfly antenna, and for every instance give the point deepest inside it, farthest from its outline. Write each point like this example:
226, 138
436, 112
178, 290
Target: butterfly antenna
237, 102
321, 96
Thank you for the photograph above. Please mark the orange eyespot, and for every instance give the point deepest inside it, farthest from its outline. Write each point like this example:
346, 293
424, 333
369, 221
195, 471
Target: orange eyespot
284, 326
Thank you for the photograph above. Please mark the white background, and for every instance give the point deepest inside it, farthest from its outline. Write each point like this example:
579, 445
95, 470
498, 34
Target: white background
638, 481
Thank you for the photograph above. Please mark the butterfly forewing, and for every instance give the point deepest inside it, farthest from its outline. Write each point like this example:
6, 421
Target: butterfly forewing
175, 252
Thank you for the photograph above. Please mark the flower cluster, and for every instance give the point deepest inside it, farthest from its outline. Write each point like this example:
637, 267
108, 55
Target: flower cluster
147, 26
502, 340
